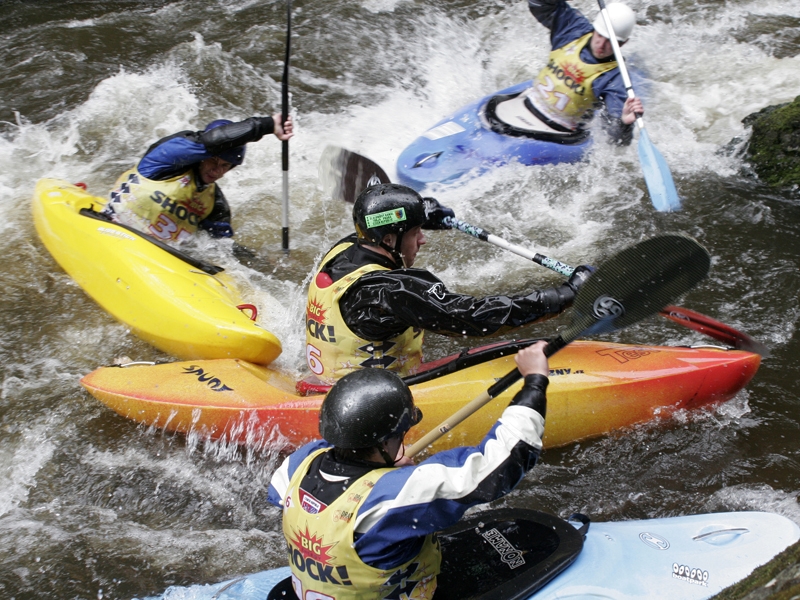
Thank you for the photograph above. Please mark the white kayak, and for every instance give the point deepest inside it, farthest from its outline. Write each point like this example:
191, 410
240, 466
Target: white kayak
529, 554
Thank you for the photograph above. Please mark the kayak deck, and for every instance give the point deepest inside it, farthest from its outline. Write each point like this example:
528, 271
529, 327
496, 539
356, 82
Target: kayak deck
464, 142
595, 388
179, 305
519, 554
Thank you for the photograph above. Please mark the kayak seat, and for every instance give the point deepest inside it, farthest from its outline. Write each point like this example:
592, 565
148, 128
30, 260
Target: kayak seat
283, 590
507, 553
497, 125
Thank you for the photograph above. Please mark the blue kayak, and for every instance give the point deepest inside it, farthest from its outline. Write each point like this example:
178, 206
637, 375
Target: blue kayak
486, 133
495, 130
516, 553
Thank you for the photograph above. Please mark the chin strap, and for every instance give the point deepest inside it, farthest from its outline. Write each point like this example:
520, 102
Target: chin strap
386, 458
397, 257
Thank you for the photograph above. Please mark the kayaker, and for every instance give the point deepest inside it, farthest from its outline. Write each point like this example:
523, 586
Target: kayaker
581, 76
172, 192
368, 308
359, 518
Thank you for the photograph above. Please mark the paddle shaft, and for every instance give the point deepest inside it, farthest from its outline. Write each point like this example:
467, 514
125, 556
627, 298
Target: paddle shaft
285, 143
657, 175
688, 318
623, 70
485, 236
477, 403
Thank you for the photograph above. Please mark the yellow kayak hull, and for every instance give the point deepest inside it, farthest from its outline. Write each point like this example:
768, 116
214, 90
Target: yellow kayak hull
173, 305
595, 388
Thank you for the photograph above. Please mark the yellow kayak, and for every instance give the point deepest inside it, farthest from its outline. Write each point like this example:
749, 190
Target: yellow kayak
595, 388
180, 305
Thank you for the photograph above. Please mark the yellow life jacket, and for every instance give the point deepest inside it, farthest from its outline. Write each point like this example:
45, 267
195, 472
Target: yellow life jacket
333, 350
168, 210
321, 555
562, 91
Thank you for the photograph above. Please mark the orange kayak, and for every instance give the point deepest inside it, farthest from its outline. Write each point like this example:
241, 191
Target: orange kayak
595, 388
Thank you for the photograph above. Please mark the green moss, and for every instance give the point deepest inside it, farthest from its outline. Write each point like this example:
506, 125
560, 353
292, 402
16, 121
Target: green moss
774, 148
779, 573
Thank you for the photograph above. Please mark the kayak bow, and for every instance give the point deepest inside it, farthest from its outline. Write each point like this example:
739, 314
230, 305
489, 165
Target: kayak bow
181, 305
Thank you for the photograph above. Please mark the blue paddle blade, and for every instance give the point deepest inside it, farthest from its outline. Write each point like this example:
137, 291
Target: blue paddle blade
657, 176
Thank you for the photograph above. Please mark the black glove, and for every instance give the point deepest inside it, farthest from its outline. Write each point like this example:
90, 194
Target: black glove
579, 277
435, 213
217, 229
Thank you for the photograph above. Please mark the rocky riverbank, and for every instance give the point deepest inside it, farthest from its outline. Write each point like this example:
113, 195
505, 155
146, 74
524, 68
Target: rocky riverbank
774, 146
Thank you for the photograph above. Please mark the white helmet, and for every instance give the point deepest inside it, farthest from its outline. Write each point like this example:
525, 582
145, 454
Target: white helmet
622, 20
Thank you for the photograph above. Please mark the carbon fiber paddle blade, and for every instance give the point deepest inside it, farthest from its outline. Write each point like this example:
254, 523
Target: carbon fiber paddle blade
637, 283
657, 176
345, 174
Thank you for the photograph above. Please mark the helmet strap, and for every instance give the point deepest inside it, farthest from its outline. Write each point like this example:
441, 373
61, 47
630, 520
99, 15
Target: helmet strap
385, 455
397, 257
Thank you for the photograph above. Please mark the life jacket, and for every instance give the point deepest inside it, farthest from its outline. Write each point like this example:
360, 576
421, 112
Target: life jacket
321, 555
167, 210
333, 350
562, 91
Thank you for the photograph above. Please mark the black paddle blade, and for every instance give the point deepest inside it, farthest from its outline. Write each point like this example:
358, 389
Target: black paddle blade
345, 174
636, 283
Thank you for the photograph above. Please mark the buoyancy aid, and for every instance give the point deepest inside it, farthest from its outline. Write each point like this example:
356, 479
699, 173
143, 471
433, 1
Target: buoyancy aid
168, 210
562, 91
323, 560
333, 349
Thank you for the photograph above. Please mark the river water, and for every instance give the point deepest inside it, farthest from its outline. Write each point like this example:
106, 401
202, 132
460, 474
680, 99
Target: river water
94, 506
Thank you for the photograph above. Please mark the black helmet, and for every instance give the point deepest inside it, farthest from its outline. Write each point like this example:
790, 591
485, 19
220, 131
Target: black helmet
365, 408
387, 208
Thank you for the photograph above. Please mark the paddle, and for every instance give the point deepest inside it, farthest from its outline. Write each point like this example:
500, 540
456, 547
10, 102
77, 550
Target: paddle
284, 116
633, 284
657, 175
345, 174
683, 316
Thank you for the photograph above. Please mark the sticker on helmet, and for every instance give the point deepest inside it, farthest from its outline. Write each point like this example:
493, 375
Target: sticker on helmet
385, 218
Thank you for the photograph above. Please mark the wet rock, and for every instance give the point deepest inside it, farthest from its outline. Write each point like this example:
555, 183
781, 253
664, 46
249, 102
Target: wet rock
774, 148
779, 579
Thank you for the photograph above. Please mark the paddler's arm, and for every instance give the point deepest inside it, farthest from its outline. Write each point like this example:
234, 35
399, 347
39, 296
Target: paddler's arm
384, 303
411, 502
544, 11
276, 492
253, 129
620, 111
174, 154
564, 22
